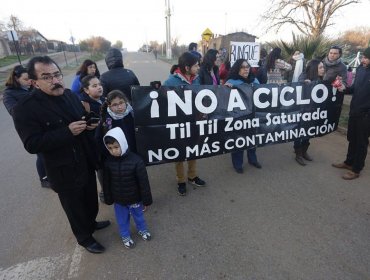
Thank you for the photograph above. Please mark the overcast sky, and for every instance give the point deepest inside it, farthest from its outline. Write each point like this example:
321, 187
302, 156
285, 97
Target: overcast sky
135, 22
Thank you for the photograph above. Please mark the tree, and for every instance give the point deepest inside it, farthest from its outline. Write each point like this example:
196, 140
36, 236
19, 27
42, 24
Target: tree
356, 39
311, 47
311, 17
95, 44
15, 23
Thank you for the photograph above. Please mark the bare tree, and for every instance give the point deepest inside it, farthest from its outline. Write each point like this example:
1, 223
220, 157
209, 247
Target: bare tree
311, 17
15, 23
357, 38
2, 26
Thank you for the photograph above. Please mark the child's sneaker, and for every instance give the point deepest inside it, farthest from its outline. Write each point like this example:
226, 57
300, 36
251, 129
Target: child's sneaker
181, 189
145, 235
128, 242
197, 182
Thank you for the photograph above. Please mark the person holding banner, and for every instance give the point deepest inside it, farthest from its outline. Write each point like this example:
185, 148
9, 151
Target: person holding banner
185, 73
314, 72
240, 74
276, 67
334, 67
359, 121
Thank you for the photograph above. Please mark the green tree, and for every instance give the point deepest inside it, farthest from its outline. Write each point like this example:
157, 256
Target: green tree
311, 47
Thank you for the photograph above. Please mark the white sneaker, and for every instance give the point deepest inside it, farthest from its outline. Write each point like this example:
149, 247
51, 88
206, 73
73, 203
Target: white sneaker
145, 235
128, 242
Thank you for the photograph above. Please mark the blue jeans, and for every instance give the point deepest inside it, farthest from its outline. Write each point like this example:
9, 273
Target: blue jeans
237, 157
123, 217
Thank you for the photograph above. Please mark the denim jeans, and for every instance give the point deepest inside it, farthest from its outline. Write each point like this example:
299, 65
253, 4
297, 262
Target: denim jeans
237, 157
123, 214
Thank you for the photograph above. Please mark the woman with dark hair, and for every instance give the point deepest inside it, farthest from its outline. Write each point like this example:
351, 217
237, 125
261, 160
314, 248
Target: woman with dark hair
88, 67
18, 86
208, 72
315, 72
185, 73
240, 74
276, 67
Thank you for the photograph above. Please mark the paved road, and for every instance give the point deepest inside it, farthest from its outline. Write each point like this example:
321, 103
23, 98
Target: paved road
283, 222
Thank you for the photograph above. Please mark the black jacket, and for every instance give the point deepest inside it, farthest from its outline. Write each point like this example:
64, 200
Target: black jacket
94, 105
11, 97
125, 180
117, 77
361, 91
42, 125
205, 77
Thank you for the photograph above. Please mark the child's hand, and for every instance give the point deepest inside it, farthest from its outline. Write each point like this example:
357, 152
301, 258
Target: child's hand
145, 208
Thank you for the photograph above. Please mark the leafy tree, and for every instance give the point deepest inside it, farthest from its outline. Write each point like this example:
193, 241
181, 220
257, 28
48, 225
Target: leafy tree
311, 17
311, 47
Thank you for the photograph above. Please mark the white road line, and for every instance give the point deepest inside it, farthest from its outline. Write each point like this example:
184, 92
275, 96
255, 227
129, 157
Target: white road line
40, 268
75, 262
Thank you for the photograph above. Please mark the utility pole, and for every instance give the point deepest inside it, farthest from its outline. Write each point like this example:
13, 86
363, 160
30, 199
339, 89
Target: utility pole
65, 58
72, 39
168, 29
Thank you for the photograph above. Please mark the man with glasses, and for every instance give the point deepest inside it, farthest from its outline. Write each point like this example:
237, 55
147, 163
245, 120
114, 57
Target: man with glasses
334, 67
359, 121
50, 122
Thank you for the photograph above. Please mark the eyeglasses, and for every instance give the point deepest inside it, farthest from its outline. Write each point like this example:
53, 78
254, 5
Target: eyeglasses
50, 78
245, 67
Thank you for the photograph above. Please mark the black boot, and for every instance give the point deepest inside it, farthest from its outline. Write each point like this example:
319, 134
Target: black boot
298, 156
304, 153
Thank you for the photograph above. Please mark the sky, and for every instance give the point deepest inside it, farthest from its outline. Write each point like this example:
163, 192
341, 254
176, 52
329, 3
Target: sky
136, 22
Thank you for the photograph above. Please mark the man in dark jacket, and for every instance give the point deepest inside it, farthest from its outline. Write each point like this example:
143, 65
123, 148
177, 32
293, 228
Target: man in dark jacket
359, 121
334, 66
117, 77
50, 122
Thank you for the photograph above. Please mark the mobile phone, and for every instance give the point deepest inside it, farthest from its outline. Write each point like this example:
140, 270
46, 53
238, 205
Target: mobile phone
92, 120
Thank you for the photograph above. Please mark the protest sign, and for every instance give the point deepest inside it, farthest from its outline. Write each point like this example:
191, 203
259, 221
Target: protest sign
190, 122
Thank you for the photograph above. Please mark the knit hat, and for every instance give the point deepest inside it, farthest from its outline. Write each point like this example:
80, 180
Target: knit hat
366, 53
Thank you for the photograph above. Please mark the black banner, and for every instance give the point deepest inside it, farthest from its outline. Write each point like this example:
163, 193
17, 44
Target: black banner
190, 122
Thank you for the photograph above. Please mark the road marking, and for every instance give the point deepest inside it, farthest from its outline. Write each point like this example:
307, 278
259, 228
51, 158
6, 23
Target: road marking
75, 262
45, 267
40, 268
